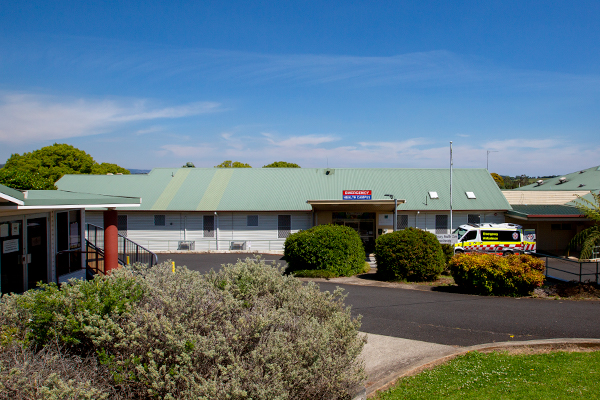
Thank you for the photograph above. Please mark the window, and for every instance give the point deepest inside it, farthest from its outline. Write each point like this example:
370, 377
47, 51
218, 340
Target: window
473, 219
500, 236
560, 227
252, 220
284, 226
471, 235
208, 222
441, 224
434, 195
159, 220
402, 221
122, 224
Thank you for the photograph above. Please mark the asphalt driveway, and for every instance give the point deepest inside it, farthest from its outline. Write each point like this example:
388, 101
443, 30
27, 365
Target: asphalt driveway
444, 318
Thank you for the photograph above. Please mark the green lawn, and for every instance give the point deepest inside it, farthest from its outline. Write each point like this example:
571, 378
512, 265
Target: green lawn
558, 375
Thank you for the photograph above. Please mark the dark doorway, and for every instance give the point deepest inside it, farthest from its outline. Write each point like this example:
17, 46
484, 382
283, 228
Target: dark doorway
11, 257
37, 248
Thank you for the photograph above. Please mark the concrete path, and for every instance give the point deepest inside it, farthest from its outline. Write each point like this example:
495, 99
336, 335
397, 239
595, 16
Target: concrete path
386, 358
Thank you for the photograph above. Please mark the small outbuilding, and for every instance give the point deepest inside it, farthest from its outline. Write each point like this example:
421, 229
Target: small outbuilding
42, 234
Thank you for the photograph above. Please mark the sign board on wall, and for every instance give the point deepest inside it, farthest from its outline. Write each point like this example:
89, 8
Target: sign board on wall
357, 195
447, 238
10, 246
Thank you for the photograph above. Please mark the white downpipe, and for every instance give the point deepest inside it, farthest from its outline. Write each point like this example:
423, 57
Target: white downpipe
217, 230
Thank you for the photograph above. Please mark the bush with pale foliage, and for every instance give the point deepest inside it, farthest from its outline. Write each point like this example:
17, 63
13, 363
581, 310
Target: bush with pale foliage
247, 331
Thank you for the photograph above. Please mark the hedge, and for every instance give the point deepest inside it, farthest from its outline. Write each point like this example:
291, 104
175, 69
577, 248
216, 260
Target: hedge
247, 331
410, 254
333, 248
491, 274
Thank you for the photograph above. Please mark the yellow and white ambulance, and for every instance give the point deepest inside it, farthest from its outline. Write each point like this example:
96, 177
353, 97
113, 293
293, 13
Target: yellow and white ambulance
494, 238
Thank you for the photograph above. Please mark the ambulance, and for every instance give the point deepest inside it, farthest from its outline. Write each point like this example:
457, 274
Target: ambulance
494, 238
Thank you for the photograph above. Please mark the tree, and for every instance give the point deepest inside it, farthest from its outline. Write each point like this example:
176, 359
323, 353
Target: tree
24, 180
281, 164
233, 164
188, 165
588, 238
498, 179
52, 162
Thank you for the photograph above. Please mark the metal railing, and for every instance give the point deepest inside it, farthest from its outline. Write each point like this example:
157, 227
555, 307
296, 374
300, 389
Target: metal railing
567, 270
202, 245
129, 251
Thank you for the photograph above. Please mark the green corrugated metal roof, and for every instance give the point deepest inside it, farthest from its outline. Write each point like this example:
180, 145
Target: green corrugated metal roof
587, 197
63, 198
589, 178
15, 194
267, 189
545, 210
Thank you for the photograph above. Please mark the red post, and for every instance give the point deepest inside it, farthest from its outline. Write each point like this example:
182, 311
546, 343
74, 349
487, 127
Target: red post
111, 244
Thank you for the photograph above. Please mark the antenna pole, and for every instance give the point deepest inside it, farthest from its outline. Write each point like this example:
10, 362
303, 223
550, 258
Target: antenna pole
451, 186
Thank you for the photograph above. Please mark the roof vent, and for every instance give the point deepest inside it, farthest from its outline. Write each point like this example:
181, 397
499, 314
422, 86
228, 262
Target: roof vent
470, 195
581, 172
561, 180
540, 182
434, 195
581, 185
329, 171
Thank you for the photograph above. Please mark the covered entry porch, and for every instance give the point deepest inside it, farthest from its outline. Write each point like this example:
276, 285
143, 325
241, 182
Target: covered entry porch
370, 218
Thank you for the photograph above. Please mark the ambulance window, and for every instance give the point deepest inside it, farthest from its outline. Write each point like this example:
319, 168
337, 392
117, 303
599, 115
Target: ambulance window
459, 232
509, 236
471, 235
489, 236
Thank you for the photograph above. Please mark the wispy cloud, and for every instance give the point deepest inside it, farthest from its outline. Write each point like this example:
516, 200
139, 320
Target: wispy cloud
428, 68
185, 151
30, 117
514, 157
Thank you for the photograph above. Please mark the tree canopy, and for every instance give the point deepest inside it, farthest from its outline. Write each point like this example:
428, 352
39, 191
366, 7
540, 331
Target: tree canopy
24, 180
281, 164
51, 163
498, 179
233, 164
188, 164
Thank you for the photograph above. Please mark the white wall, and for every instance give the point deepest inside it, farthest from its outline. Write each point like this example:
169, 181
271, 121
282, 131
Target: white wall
189, 226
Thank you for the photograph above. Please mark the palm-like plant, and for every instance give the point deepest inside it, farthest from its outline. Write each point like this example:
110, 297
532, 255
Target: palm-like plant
588, 238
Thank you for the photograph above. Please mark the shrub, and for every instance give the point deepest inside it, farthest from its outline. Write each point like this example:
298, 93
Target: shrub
51, 373
411, 254
492, 274
75, 315
314, 273
448, 251
334, 248
247, 331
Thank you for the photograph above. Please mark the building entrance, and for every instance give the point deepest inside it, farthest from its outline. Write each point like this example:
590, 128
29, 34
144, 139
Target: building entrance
363, 223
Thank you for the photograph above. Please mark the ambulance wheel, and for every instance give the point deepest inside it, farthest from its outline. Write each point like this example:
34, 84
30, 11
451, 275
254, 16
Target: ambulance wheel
458, 252
508, 253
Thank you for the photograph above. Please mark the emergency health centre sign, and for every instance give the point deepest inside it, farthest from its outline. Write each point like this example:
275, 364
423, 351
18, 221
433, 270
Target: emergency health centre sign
357, 195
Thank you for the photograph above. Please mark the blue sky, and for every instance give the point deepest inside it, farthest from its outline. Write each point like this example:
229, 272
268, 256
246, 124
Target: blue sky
345, 84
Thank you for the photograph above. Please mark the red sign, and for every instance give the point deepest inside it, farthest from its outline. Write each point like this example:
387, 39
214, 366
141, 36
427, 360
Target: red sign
357, 192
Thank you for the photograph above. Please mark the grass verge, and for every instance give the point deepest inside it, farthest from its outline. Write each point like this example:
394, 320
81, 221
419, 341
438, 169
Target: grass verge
556, 375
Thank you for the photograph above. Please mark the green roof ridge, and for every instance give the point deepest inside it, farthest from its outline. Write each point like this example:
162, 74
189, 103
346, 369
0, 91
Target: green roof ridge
171, 189
215, 190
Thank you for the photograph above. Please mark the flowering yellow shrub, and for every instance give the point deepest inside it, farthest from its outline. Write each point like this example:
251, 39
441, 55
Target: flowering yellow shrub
491, 274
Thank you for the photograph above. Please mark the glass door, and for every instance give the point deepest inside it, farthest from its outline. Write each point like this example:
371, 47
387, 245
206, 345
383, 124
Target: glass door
37, 251
11, 256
